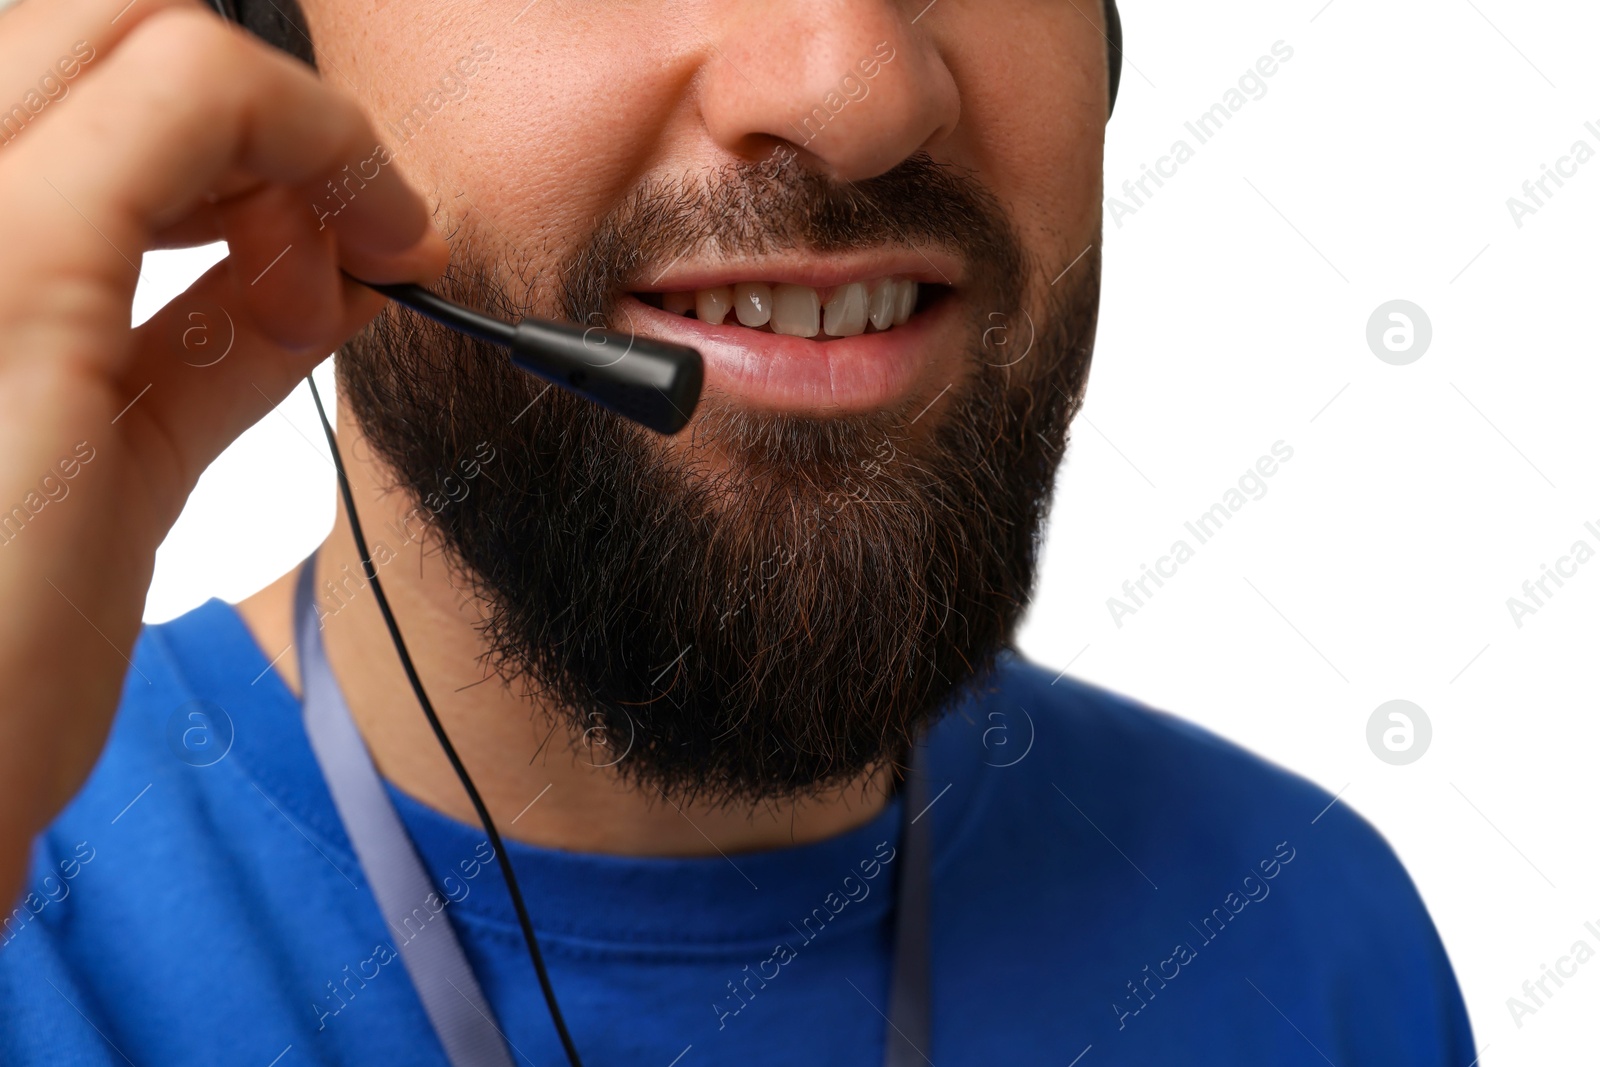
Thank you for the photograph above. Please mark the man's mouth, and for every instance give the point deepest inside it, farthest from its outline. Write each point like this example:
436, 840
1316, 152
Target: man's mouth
846, 310
808, 333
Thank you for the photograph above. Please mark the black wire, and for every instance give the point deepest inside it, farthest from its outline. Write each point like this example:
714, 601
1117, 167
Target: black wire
442, 311
371, 572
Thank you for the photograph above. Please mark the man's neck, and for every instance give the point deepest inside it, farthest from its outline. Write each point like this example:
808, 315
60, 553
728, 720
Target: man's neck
540, 786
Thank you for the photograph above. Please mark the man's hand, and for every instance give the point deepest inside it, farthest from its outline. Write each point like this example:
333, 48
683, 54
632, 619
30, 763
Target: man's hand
172, 129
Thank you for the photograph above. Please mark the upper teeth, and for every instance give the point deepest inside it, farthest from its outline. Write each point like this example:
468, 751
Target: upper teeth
800, 310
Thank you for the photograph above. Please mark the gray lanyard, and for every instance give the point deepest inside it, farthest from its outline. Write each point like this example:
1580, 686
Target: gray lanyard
438, 967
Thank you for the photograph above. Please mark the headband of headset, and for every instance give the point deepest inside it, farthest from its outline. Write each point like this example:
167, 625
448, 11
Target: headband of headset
282, 25
1113, 51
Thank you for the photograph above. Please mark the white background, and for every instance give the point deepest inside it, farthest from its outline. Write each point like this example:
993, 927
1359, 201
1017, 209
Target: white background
1419, 497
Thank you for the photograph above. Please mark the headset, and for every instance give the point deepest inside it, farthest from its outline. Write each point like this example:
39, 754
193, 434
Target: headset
653, 383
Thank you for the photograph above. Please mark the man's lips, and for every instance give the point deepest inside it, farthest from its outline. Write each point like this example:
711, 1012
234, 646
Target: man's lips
884, 348
826, 375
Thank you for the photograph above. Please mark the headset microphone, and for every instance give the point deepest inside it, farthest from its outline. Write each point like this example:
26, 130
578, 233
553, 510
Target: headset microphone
654, 383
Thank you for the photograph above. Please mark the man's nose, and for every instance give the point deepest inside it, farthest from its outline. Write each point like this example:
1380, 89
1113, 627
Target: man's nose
852, 83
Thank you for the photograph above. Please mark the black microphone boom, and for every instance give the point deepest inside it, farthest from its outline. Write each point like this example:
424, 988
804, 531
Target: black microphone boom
651, 382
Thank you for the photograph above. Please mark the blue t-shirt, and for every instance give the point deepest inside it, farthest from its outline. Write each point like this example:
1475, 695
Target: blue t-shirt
1111, 885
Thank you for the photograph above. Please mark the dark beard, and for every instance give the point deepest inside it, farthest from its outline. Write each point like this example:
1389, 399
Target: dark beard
787, 618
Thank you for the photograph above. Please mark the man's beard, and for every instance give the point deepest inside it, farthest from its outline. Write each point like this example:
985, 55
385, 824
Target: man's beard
780, 603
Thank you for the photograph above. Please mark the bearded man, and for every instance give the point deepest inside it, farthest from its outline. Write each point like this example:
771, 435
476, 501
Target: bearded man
573, 741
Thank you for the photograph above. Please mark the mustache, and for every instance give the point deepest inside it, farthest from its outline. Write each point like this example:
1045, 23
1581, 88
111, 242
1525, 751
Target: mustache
779, 204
